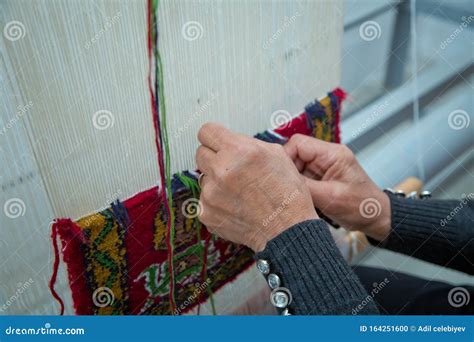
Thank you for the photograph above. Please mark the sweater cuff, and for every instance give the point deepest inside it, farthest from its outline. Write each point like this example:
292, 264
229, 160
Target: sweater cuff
413, 221
312, 269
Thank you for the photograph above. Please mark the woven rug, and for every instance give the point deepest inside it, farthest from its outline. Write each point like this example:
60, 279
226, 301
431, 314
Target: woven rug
117, 259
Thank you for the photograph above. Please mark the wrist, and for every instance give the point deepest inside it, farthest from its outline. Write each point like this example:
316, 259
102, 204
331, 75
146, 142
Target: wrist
381, 227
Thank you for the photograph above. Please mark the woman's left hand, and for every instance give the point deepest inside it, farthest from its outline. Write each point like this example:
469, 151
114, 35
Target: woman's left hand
251, 191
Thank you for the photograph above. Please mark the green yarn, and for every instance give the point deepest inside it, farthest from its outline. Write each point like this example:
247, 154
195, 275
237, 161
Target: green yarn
164, 140
187, 181
193, 185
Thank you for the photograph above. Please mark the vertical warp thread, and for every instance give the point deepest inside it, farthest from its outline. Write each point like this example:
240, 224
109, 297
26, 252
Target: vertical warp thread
161, 138
168, 177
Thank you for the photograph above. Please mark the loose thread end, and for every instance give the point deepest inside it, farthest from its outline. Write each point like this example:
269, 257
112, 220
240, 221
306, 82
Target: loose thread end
54, 275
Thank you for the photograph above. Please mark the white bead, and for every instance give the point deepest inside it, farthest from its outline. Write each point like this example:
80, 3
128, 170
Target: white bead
263, 266
273, 281
425, 194
280, 299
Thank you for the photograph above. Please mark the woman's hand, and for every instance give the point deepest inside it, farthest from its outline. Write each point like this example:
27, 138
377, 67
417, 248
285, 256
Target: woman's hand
339, 186
251, 191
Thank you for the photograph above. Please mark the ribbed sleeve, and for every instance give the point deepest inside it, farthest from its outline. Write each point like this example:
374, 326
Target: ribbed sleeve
314, 271
437, 231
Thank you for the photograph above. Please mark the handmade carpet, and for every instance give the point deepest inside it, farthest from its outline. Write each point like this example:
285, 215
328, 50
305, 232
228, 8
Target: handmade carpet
118, 260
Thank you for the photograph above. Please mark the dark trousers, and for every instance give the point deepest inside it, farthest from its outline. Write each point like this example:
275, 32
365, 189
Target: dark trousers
402, 294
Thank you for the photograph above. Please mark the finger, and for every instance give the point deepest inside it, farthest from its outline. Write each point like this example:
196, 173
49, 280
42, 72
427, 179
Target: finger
308, 149
320, 192
205, 159
310, 174
299, 164
214, 136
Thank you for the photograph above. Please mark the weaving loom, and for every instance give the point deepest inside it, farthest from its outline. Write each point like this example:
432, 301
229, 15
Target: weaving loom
119, 259
101, 248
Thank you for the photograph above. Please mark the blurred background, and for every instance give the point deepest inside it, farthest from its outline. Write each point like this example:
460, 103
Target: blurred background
390, 67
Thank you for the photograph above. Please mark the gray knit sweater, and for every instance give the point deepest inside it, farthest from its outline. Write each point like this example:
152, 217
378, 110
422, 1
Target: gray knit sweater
322, 283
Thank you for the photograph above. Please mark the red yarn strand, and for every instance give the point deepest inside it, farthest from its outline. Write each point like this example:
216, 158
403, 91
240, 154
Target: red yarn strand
52, 282
156, 125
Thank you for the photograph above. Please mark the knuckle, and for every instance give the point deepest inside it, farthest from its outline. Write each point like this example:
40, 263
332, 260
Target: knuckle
206, 127
206, 130
346, 152
202, 131
298, 138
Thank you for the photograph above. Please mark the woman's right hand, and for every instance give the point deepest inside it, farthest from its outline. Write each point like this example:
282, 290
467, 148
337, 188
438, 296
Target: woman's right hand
339, 186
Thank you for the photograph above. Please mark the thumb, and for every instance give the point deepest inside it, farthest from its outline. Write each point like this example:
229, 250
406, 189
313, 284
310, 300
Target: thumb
320, 192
